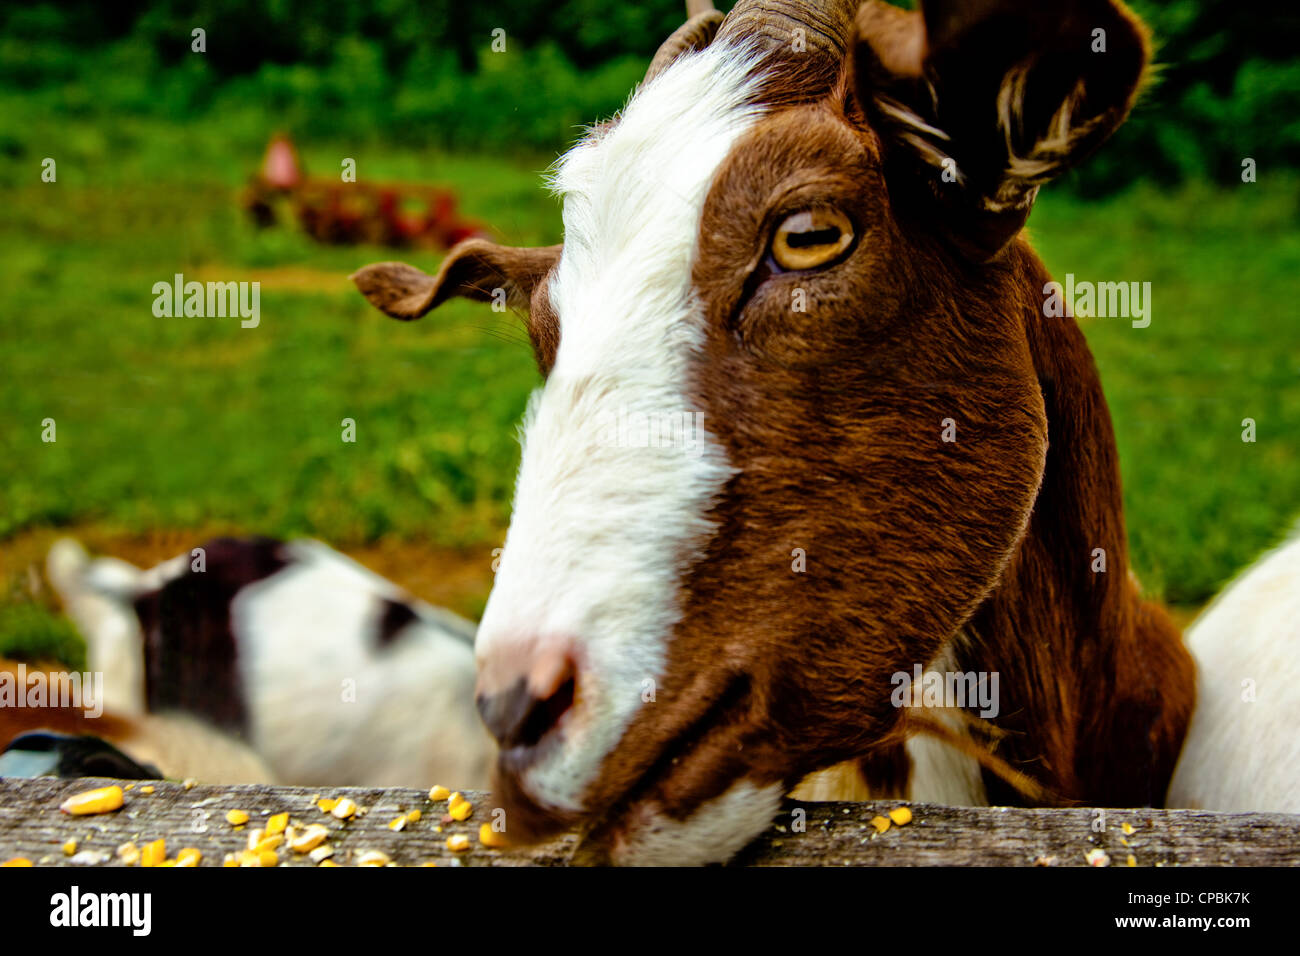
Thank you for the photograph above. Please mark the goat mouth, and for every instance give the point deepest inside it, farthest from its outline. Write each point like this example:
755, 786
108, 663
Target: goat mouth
654, 785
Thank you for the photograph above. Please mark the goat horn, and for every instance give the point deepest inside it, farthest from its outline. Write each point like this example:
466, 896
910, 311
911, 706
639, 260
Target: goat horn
695, 34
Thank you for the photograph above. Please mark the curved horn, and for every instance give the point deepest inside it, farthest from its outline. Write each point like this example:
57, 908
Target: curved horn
808, 43
695, 34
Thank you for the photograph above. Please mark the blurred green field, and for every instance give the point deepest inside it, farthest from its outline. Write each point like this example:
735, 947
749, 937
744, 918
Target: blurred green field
195, 422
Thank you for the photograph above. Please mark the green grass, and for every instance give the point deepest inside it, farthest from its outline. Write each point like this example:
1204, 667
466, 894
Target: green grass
187, 422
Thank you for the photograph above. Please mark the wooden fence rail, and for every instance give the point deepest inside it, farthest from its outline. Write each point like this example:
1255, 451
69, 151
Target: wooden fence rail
835, 834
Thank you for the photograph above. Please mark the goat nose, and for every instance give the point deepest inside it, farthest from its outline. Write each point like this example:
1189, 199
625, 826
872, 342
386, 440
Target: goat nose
525, 711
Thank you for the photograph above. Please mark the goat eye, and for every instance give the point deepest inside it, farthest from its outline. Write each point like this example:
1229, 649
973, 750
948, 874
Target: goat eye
811, 238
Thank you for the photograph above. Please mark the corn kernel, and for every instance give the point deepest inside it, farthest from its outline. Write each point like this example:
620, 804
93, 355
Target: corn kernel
414, 816
230, 860
309, 839
17, 861
1128, 829
439, 793
271, 842
374, 858
277, 824
398, 823
326, 804
901, 816
268, 858
189, 857
254, 838
1131, 860
458, 843
129, 854
103, 800
462, 810
146, 789
321, 854
237, 818
345, 809
153, 853
328, 863
70, 848
489, 837
880, 823
428, 863
248, 858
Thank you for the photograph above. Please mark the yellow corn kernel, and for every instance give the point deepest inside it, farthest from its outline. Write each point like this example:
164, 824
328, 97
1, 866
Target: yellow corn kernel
1131, 860
70, 848
397, 823
374, 858
309, 839
428, 863
414, 816
327, 804
345, 809
146, 789
458, 843
129, 786
189, 784
277, 824
489, 837
153, 853
237, 818
129, 854
437, 829
1128, 829
17, 861
167, 863
230, 860
268, 858
880, 823
103, 800
439, 793
271, 842
328, 863
901, 816
188, 857
249, 858
461, 811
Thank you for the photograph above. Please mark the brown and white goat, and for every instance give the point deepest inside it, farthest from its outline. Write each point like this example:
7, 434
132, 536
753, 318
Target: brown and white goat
802, 235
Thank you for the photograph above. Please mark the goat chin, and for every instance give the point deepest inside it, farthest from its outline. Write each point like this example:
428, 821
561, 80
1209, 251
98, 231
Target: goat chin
1242, 751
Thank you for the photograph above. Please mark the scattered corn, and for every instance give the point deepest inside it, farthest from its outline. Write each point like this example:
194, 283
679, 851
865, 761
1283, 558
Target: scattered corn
189, 857
374, 858
1128, 829
344, 809
271, 842
309, 839
153, 853
901, 816
103, 800
439, 793
458, 843
1131, 860
414, 816
230, 860
428, 863
189, 784
880, 823
70, 848
326, 804
148, 789
321, 854
328, 863
268, 858
17, 861
1097, 857
398, 823
237, 818
277, 824
129, 854
489, 837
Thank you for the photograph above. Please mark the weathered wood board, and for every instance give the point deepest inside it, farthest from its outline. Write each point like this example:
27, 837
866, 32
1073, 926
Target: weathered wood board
804, 834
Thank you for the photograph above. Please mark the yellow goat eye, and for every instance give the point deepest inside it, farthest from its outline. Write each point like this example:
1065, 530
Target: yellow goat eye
811, 238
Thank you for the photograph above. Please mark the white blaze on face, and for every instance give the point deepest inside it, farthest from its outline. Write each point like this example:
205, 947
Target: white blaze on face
601, 528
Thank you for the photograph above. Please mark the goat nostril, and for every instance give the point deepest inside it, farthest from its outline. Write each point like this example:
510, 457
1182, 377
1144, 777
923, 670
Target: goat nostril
545, 714
518, 719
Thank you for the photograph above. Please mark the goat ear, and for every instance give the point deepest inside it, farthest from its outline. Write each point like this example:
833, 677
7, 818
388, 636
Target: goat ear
981, 102
475, 269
